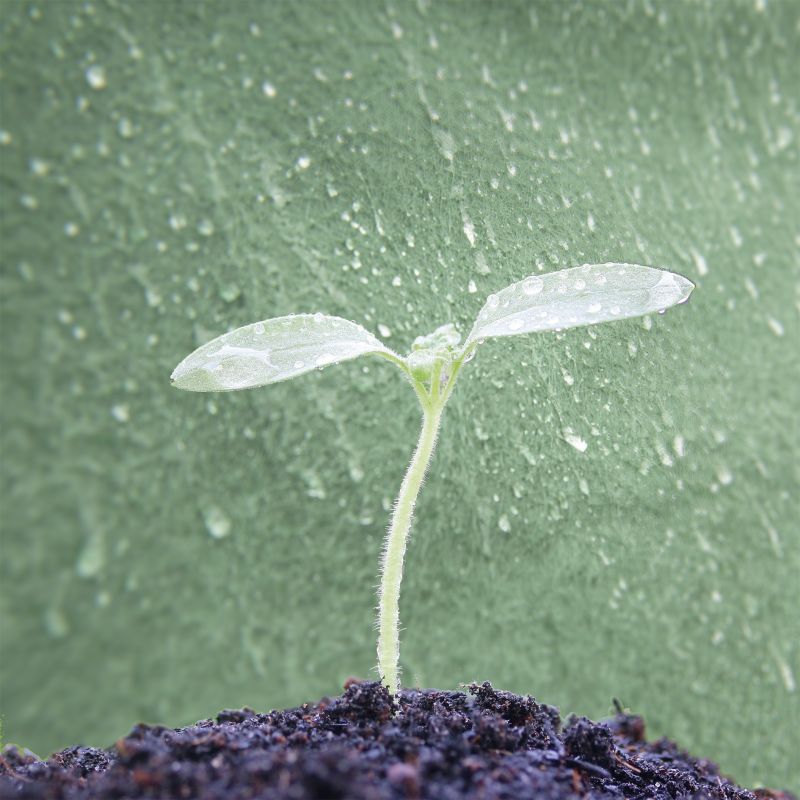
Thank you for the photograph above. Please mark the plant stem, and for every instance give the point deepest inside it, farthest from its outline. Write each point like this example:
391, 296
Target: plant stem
395, 546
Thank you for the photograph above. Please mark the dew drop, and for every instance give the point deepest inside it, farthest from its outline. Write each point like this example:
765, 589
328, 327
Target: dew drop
92, 558
55, 623
775, 326
299, 364
356, 473
594, 308
515, 324
121, 412
96, 77
39, 167
217, 522
230, 292
572, 438
125, 128
724, 475
492, 301
532, 285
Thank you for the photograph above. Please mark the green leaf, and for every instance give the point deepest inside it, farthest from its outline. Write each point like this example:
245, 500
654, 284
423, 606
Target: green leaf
578, 296
275, 350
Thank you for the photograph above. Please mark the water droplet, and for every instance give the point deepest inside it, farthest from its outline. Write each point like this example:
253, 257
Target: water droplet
177, 222
268, 89
230, 292
92, 558
384, 331
775, 326
725, 476
217, 522
515, 324
595, 307
356, 473
492, 301
125, 128
532, 285
299, 364
121, 412
699, 263
481, 264
205, 227
55, 623
39, 167
580, 285
96, 77
258, 328
572, 438
469, 229
504, 523
471, 287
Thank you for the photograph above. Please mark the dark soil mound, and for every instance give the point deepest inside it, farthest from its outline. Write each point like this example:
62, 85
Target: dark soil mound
365, 745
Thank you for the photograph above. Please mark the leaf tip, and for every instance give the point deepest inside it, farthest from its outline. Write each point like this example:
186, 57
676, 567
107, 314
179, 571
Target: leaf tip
676, 287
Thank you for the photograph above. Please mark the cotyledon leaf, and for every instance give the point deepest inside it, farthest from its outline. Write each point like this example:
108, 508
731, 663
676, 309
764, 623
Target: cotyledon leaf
578, 296
275, 350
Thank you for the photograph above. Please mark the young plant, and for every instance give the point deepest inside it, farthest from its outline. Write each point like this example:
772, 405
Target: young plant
282, 348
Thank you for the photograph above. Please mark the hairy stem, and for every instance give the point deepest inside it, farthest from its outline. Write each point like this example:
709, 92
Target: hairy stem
395, 548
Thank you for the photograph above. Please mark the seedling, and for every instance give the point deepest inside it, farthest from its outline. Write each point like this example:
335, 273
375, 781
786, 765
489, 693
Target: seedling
284, 347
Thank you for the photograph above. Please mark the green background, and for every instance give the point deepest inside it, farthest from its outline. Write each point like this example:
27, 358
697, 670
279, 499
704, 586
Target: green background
612, 511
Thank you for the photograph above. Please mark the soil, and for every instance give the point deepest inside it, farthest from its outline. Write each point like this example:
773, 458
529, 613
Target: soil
366, 745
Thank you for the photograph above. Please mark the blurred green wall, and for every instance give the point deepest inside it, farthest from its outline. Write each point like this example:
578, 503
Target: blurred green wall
170, 170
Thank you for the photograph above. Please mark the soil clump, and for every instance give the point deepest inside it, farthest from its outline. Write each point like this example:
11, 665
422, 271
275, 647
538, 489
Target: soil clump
367, 745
